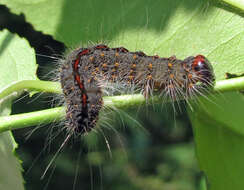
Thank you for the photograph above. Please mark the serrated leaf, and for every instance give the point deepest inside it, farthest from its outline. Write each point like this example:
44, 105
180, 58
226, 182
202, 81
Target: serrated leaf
17, 62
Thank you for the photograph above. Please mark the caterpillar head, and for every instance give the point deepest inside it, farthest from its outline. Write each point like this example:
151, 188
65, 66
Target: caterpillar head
202, 68
200, 74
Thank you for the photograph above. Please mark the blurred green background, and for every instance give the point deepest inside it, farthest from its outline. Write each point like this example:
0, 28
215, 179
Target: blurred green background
154, 150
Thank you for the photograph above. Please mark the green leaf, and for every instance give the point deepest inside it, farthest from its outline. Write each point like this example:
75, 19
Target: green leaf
219, 137
179, 27
17, 62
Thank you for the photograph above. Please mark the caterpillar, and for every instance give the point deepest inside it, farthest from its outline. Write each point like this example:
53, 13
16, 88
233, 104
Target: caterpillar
87, 72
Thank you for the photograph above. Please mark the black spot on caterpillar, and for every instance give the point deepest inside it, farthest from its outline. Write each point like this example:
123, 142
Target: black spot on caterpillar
87, 72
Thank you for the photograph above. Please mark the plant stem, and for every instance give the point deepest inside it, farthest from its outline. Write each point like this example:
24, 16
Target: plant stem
47, 116
56, 114
31, 85
234, 84
235, 3
19, 121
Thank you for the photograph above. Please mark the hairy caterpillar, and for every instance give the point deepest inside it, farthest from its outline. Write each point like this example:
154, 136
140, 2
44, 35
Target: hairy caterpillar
87, 72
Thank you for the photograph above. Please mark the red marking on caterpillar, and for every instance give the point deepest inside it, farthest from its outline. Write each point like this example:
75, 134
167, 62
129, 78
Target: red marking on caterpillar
87, 72
84, 99
101, 47
86, 51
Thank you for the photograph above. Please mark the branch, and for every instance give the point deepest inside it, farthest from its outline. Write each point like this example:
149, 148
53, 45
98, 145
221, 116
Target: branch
56, 114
